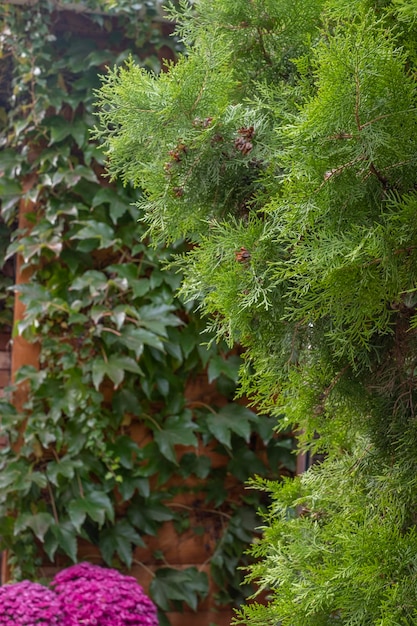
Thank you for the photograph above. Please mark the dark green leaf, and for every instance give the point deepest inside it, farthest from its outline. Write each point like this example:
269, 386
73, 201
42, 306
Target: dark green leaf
229, 367
136, 338
246, 464
95, 504
67, 539
187, 585
115, 368
177, 430
39, 523
147, 514
130, 484
64, 467
232, 418
96, 230
119, 539
191, 463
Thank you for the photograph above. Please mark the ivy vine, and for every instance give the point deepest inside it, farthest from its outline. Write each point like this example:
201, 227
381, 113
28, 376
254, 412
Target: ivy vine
110, 444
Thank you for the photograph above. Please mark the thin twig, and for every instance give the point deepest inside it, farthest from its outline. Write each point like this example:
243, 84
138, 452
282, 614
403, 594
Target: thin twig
145, 567
179, 505
53, 505
80, 486
326, 393
197, 403
396, 252
267, 57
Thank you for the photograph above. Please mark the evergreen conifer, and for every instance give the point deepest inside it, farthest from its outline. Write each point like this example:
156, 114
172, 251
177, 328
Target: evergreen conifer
283, 147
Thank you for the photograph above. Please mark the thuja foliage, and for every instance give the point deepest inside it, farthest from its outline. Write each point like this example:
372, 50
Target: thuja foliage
283, 146
113, 442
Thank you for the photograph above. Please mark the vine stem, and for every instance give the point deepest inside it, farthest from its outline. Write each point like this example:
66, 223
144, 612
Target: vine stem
179, 505
151, 419
145, 567
80, 486
53, 504
197, 403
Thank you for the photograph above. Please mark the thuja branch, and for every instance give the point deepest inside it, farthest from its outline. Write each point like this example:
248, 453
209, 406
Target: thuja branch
266, 56
328, 390
397, 252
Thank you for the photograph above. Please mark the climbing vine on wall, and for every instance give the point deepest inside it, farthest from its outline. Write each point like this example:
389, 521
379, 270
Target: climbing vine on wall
111, 443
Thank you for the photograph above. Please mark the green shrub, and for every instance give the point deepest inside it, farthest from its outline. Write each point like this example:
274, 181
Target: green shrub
290, 166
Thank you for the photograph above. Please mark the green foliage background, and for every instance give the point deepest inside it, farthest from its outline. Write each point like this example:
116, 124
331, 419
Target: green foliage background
290, 164
117, 346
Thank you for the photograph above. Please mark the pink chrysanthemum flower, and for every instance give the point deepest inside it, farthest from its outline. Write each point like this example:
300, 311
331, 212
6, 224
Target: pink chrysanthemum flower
28, 604
90, 595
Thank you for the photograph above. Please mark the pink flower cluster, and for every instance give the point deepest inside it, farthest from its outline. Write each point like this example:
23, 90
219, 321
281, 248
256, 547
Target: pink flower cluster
28, 604
82, 594
95, 596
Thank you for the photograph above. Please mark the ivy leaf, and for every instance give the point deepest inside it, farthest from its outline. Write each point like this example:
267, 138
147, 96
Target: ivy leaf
140, 287
199, 465
64, 467
73, 176
50, 545
62, 535
107, 195
177, 430
95, 504
148, 513
59, 128
232, 418
188, 585
96, 58
118, 316
39, 523
8, 477
157, 318
95, 281
99, 371
78, 131
246, 463
10, 194
126, 451
228, 367
137, 338
215, 491
65, 533
96, 230
115, 368
129, 485
119, 538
